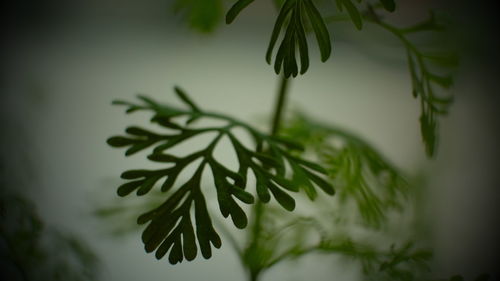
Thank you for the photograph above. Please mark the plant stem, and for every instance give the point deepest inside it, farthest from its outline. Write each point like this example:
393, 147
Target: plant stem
280, 103
254, 276
258, 207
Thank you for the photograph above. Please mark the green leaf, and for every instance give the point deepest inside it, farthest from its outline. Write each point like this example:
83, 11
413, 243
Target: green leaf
353, 12
302, 42
139, 131
428, 130
424, 78
323, 184
295, 11
302, 180
362, 176
126, 188
162, 157
188, 239
285, 200
184, 97
119, 141
442, 59
313, 166
236, 9
443, 81
138, 147
170, 229
319, 28
284, 11
287, 184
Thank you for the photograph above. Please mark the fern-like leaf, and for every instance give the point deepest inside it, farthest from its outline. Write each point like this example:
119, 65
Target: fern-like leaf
424, 76
293, 14
170, 224
360, 173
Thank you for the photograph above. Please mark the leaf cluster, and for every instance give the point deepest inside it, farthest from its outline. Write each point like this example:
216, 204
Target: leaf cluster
428, 70
359, 172
405, 263
294, 14
276, 169
294, 19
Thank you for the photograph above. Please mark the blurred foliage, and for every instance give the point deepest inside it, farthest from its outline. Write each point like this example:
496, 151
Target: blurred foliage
201, 15
428, 69
29, 250
357, 170
271, 161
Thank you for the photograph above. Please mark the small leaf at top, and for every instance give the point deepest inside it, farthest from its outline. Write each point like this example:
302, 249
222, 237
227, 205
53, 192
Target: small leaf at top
353, 12
184, 97
236, 9
319, 28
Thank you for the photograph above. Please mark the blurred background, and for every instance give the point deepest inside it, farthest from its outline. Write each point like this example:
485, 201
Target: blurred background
64, 62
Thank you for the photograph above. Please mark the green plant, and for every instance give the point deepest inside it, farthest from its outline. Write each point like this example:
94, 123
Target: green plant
278, 160
33, 250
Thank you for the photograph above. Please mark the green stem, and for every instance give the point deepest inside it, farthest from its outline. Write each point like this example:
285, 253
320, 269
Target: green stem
280, 103
254, 276
258, 208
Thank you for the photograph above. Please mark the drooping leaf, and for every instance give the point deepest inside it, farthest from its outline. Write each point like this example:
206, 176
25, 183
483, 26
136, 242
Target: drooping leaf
353, 12
319, 28
424, 79
236, 9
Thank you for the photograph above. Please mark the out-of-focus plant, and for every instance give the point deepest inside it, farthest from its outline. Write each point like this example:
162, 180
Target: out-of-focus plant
30, 248
32, 251
298, 156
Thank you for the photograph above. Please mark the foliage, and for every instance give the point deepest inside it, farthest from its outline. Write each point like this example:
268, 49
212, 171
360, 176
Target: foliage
32, 251
201, 15
358, 171
360, 174
170, 223
423, 67
296, 16
296, 11
403, 263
